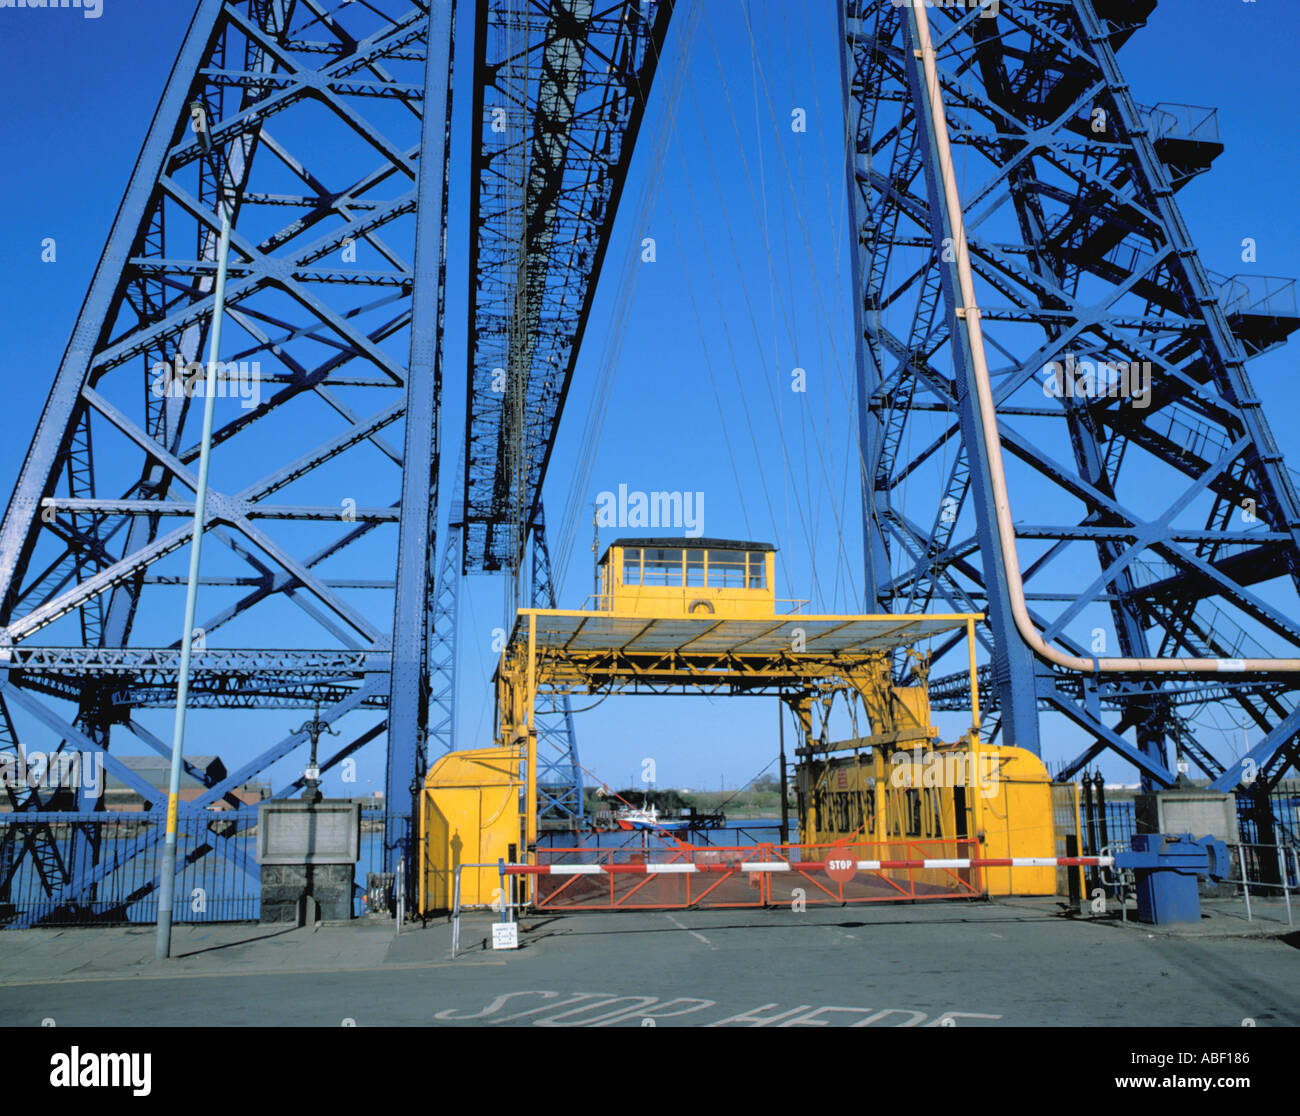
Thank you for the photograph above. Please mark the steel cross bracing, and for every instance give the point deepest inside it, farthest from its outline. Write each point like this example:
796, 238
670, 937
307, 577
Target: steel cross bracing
1161, 524
559, 774
328, 130
559, 778
445, 628
560, 92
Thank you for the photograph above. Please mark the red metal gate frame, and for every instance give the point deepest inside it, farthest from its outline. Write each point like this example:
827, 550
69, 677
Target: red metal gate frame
804, 862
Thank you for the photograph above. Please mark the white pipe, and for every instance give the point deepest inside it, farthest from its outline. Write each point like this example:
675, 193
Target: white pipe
970, 313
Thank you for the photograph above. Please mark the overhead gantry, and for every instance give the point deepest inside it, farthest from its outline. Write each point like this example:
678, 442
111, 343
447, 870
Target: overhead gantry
691, 617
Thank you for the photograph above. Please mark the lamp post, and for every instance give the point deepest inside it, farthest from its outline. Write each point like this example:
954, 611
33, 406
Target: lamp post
167, 883
314, 728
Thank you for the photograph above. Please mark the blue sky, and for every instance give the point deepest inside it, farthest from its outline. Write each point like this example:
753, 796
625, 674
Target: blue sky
703, 325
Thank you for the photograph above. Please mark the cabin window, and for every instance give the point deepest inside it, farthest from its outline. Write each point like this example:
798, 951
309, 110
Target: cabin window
727, 569
662, 566
695, 567
679, 566
632, 565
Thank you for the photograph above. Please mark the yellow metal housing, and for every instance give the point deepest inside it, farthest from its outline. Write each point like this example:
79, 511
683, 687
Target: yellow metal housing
940, 798
469, 815
1018, 821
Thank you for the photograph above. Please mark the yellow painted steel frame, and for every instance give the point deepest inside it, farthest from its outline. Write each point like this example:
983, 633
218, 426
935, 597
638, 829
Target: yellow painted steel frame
899, 716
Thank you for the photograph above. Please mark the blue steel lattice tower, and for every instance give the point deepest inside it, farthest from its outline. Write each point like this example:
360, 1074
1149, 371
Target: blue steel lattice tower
559, 774
328, 136
1153, 515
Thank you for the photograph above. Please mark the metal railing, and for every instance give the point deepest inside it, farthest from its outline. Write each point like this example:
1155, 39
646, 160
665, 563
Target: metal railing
506, 904
1113, 823
1271, 296
66, 869
603, 602
1248, 864
1191, 122
1275, 815
1282, 857
82, 869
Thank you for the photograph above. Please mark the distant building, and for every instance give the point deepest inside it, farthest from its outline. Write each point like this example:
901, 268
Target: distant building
156, 771
55, 777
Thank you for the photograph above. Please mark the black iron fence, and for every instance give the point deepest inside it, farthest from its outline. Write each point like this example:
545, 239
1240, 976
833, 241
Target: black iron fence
1105, 824
59, 869
1268, 822
1272, 819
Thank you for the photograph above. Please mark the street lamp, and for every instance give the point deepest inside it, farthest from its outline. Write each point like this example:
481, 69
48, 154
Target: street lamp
312, 775
167, 884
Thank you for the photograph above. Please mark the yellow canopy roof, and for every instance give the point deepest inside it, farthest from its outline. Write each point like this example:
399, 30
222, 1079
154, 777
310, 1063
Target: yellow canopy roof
594, 631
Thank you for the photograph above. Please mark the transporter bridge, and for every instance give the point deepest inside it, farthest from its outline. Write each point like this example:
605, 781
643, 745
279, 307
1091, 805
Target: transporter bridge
700, 616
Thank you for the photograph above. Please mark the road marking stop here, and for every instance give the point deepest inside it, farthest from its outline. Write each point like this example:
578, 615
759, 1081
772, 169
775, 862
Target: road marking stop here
604, 1009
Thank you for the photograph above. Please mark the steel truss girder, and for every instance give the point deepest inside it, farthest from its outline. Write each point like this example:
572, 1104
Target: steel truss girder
1078, 249
560, 93
336, 293
608, 671
952, 691
646, 686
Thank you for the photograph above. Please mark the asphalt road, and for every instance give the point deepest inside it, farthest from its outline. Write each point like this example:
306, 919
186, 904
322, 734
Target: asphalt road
968, 964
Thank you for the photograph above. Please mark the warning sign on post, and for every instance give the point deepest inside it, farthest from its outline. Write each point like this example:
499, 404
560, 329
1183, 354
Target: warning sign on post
841, 868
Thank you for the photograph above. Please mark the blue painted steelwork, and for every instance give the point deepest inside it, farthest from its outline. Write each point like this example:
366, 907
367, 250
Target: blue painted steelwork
1171, 527
408, 700
218, 879
1167, 867
445, 632
329, 132
330, 127
559, 774
560, 92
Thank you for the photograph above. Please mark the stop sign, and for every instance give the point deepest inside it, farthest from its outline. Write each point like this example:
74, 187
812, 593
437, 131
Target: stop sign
841, 868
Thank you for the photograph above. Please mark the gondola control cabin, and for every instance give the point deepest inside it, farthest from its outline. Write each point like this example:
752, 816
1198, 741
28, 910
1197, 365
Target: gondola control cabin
700, 578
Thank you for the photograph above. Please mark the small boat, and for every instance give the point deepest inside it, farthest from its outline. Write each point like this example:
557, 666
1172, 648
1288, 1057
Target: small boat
629, 818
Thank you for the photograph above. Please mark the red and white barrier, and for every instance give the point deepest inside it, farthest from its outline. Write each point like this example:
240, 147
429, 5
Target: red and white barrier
808, 866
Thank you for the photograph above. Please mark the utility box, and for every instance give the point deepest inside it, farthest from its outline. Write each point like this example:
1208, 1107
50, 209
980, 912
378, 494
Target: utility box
308, 852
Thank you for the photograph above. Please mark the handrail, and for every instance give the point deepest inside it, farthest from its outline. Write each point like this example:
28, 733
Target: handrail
1284, 884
